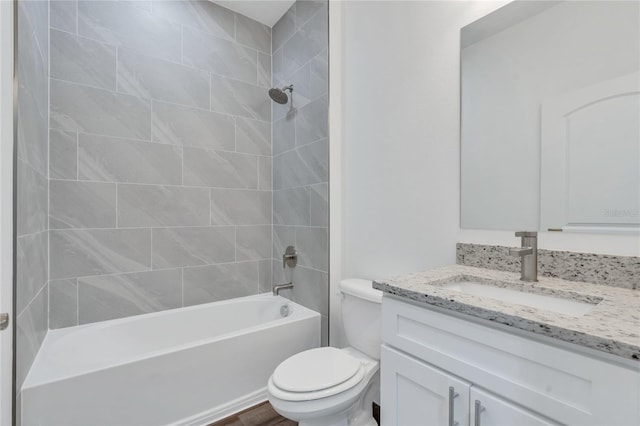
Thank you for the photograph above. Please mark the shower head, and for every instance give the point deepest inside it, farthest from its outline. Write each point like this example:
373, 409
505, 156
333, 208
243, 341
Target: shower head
279, 95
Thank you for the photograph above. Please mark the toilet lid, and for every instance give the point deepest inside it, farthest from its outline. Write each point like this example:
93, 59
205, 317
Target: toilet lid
315, 370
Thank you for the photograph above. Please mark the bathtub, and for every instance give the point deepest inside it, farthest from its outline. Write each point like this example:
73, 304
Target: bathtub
187, 366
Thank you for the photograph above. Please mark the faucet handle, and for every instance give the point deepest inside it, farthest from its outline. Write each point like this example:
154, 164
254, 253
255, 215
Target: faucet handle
290, 257
520, 251
533, 234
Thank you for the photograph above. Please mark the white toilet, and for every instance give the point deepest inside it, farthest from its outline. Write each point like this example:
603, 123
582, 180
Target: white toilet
335, 387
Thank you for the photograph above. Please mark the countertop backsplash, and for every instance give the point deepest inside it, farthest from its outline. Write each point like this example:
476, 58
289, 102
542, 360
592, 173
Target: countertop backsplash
616, 271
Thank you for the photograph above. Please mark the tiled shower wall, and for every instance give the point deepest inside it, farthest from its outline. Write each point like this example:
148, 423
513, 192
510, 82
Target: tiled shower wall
32, 245
160, 157
301, 153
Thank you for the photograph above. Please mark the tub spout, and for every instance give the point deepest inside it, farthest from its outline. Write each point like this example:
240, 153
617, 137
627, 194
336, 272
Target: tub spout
277, 288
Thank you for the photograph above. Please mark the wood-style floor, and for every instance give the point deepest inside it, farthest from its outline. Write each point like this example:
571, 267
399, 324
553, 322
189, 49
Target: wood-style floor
258, 415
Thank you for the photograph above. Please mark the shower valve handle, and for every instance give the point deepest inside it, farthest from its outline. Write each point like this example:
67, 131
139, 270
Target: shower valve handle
290, 257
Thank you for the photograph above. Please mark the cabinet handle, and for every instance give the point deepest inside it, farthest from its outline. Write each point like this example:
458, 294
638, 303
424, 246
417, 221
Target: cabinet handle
479, 409
452, 396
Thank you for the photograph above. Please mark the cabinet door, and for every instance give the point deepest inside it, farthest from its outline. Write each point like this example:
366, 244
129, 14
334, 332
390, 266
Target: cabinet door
489, 410
415, 394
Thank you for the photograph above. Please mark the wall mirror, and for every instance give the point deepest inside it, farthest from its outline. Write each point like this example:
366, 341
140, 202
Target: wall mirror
550, 117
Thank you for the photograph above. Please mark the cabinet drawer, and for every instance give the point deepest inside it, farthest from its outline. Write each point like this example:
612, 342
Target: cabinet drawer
563, 385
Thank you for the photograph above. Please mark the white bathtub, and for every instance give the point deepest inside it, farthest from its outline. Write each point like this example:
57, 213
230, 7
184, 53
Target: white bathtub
188, 366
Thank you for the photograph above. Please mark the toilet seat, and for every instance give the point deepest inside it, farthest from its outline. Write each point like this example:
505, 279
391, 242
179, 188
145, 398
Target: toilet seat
314, 374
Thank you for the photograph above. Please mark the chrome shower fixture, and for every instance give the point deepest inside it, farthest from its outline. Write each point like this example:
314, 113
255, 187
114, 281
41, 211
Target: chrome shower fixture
279, 95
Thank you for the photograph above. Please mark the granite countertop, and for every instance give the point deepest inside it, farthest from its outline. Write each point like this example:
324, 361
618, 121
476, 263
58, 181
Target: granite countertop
612, 326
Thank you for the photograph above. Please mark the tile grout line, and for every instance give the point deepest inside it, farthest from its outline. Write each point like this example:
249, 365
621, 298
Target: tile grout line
48, 168
151, 248
77, 156
117, 212
77, 301
199, 108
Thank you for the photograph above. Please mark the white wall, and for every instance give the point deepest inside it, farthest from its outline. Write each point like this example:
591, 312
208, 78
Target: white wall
401, 134
395, 91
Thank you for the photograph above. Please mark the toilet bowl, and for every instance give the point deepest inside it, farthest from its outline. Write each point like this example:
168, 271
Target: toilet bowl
329, 386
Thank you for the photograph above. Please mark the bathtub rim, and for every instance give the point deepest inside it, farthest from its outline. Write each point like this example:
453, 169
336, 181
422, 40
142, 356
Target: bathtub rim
300, 313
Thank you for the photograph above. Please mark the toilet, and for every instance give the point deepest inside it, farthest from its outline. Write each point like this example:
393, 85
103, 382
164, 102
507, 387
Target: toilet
335, 387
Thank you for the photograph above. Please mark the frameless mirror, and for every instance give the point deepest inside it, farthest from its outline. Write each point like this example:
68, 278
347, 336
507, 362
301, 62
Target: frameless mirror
550, 117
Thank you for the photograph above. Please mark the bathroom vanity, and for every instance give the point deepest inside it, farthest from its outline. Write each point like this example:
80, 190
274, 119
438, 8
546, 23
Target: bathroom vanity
458, 349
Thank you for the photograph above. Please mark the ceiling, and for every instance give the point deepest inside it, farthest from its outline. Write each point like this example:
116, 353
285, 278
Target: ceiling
267, 12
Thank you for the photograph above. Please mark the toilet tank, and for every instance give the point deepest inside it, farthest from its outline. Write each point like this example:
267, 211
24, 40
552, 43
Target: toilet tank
362, 315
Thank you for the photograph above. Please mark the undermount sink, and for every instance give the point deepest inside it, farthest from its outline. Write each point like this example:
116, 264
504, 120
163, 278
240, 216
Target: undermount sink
538, 301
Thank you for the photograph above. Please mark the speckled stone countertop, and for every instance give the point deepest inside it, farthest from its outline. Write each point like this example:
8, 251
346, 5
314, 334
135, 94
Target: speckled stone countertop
612, 326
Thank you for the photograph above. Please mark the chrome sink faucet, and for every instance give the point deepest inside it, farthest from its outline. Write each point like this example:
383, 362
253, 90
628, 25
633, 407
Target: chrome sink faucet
528, 253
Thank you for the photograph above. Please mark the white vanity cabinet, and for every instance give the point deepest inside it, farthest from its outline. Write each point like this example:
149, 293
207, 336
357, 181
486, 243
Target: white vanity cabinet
415, 393
517, 381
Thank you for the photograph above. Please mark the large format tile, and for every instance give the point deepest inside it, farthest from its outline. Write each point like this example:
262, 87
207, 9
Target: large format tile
63, 303
151, 205
31, 329
284, 135
81, 60
291, 207
319, 204
240, 207
89, 110
32, 200
32, 107
203, 15
76, 253
126, 25
278, 170
203, 284
306, 165
312, 80
312, 122
264, 70
34, 17
63, 15
306, 43
313, 247
283, 236
116, 296
253, 34
32, 260
63, 154
265, 170
253, 242
311, 289
181, 125
220, 169
174, 247
220, 56
122, 160
239, 98
74, 204
284, 28
253, 136
265, 277
153, 78
305, 9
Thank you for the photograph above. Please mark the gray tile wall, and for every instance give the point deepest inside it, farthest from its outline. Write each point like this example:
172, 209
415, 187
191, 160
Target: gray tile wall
301, 152
32, 174
160, 159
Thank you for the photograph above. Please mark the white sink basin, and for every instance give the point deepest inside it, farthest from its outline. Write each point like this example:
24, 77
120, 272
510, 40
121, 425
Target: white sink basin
538, 301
